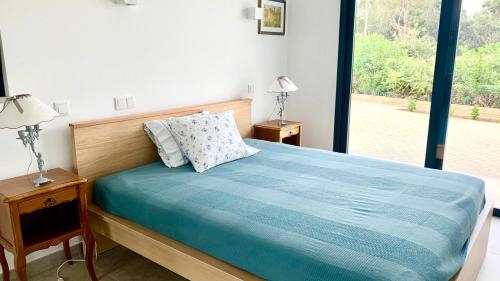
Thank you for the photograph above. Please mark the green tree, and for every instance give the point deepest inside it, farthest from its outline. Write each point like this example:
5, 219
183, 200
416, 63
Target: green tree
482, 28
396, 46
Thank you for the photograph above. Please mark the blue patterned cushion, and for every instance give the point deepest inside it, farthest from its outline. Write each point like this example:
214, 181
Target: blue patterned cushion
210, 139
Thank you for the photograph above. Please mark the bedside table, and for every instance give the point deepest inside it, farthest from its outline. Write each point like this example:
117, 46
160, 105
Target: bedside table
33, 219
273, 131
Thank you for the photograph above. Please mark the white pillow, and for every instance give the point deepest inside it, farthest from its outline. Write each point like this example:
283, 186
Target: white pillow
209, 139
168, 149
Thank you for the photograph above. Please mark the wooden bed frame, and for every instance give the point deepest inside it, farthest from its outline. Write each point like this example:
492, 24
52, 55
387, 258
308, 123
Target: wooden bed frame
108, 146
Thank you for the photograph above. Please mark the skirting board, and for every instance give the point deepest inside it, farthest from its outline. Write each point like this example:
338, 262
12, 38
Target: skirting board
48, 262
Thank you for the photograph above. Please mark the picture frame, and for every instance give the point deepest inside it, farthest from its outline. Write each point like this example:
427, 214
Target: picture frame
274, 22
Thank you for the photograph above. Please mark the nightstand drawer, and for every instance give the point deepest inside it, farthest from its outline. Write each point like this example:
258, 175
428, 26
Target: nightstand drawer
49, 200
290, 132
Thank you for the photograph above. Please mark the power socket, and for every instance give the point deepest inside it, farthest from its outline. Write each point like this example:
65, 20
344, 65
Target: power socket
120, 103
131, 102
62, 107
251, 89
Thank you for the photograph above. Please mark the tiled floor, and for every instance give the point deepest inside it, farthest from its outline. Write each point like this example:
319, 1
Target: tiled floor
123, 265
491, 266
118, 264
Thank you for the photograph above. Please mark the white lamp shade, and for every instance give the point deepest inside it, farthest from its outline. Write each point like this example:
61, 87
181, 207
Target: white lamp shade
24, 110
282, 84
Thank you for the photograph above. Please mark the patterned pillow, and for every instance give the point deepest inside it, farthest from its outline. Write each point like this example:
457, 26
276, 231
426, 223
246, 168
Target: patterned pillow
209, 139
169, 151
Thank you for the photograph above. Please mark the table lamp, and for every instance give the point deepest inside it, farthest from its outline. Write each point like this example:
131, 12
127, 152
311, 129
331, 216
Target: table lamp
27, 111
282, 86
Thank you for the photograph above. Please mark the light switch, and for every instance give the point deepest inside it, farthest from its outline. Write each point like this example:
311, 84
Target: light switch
120, 103
62, 108
131, 103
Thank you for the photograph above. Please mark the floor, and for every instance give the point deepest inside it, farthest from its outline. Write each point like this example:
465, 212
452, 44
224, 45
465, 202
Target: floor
491, 268
386, 131
121, 264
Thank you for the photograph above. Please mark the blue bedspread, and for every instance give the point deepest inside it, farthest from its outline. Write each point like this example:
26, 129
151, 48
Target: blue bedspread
292, 213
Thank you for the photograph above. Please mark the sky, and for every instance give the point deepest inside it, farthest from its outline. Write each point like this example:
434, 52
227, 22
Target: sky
471, 6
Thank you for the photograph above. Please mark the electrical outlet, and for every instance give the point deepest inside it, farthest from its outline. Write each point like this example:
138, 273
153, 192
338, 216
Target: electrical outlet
251, 89
131, 102
120, 103
62, 108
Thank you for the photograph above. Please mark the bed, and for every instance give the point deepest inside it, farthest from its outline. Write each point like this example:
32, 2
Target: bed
284, 214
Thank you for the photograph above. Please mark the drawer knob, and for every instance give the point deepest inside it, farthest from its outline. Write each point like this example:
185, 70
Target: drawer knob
290, 133
50, 202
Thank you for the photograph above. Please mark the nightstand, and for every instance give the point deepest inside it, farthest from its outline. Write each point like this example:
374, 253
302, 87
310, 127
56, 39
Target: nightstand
33, 219
273, 131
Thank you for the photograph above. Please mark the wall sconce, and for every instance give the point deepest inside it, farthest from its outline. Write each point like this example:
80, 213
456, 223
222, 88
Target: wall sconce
255, 13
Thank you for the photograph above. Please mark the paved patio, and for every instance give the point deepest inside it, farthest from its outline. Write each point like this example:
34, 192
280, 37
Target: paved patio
390, 132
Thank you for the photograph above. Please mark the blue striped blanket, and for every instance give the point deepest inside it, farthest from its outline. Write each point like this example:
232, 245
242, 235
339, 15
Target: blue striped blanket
291, 213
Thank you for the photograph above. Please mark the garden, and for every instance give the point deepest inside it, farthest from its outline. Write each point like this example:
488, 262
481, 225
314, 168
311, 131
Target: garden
395, 53
393, 72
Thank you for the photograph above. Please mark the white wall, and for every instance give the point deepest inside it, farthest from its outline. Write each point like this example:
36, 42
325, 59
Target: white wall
312, 65
167, 53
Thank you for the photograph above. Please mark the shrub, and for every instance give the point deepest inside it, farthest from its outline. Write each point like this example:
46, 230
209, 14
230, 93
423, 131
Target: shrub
369, 68
405, 69
477, 76
409, 77
412, 105
474, 112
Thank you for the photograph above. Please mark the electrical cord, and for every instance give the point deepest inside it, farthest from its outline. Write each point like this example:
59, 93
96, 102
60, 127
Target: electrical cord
59, 278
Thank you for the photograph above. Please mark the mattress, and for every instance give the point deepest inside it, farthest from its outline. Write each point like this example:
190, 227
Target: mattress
291, 213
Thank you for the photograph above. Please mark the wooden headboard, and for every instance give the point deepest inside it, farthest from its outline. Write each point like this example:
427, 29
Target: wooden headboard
107, 146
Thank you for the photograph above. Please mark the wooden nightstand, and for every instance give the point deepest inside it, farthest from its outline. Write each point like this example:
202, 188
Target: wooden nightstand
33, 219
273, 131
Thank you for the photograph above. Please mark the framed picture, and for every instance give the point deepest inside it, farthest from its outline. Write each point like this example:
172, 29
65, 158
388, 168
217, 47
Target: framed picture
3, 77
274, 17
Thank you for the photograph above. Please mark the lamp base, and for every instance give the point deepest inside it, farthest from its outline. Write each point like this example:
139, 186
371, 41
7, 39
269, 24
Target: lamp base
282, 123
41, 181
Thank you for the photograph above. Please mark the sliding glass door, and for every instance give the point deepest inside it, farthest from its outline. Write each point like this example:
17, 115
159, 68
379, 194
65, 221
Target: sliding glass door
473, 142
409, 90
392, 78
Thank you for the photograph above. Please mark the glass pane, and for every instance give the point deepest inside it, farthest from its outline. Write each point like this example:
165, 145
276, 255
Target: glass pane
473, 141
393, 71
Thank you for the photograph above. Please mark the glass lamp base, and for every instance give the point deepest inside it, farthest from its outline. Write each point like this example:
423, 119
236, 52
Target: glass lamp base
41, 181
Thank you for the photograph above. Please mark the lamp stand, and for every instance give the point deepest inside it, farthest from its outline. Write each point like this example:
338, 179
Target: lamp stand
28, 137
282, 99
